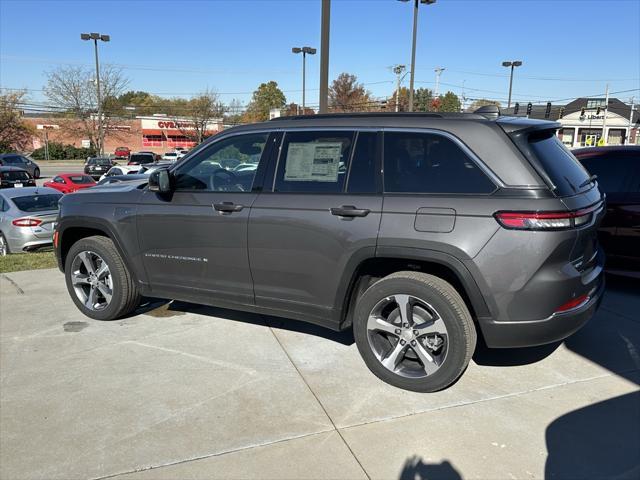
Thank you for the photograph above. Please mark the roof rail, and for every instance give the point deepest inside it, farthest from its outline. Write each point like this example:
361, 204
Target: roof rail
489, 111
361, 114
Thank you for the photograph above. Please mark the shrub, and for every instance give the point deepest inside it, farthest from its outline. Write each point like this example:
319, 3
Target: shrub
58, 151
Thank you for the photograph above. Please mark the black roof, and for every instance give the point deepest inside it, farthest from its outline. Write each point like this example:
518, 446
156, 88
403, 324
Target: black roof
606, 150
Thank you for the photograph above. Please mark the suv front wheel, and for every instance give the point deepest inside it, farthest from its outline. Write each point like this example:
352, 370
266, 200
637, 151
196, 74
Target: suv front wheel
98, 280
414, 331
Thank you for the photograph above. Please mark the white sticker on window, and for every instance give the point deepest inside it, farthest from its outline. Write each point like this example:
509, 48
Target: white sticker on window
313, 162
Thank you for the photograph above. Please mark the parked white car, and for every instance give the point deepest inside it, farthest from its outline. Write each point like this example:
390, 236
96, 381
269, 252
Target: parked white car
121, 170
171, 156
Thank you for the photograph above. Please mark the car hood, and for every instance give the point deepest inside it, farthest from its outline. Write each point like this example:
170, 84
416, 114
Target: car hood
121, 192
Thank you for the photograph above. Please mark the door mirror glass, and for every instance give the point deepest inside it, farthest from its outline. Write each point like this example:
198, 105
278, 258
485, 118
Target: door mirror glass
159, 181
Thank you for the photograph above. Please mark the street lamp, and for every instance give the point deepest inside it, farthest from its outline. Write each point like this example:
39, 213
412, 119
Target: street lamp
513, 64
413, 47
104, 38
304, 51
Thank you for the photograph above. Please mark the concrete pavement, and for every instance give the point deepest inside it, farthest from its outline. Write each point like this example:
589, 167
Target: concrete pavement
183, 391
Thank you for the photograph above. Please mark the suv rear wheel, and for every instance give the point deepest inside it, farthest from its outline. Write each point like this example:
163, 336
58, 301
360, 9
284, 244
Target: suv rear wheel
414, 331
98, 280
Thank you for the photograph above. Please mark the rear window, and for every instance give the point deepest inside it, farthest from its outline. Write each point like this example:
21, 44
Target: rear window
81, 179
100, 161
141, 158
37, 203
612, 170
15, 175
566, 173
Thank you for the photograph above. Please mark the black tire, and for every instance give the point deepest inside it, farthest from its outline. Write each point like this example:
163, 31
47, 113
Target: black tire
125, 295
36, 173
3, 241
461, 332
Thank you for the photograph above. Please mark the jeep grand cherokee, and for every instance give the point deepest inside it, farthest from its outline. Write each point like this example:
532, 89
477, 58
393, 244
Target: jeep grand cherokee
417, 231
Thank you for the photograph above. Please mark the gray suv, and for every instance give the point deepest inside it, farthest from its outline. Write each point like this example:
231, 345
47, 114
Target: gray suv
417, 231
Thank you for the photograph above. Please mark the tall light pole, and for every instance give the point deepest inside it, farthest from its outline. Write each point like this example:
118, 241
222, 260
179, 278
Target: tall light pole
324, 56
512, 64
104, 38
413, 45
304, 51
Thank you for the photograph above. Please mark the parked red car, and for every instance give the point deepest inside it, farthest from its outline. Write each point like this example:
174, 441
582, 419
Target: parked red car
70, 182
122, 153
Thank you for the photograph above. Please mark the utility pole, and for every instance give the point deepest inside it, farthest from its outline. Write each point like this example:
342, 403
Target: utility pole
438, 71
464, 97
604, 120
324, 56
630, 119
398, 69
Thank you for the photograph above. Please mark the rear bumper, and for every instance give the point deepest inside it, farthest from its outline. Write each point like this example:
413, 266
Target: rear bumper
539, 332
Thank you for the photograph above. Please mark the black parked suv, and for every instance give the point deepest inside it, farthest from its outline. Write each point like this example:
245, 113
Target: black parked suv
417, 231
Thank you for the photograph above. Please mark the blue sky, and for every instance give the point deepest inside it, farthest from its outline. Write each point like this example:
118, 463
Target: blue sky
569, 48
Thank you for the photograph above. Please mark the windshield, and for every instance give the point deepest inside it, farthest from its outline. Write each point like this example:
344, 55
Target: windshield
566, 173
37, 203
81, 179
15, 175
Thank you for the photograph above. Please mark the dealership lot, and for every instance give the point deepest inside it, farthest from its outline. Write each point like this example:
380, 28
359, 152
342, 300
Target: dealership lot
183, 391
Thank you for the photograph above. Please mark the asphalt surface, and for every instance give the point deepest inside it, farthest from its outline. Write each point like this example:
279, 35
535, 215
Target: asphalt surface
182, 391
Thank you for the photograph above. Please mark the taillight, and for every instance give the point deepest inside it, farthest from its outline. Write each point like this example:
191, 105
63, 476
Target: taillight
27, 222
574, 303
545, 220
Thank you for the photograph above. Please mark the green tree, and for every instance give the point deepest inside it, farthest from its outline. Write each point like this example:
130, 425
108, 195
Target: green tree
449, 102
267, 96
347, 95
481, 103
15, 134
422, 100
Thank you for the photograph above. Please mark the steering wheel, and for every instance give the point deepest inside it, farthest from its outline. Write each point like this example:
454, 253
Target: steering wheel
230, 184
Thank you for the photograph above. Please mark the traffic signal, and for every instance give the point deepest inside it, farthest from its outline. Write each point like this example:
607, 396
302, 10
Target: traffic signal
582, 112
516, 108
529, 108
598, 111
561, 112
547, 112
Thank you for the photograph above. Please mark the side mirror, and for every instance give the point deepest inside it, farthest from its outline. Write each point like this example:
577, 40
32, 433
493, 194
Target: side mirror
159, 181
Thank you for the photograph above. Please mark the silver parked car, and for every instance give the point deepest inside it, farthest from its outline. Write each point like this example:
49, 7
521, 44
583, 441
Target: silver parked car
27, 218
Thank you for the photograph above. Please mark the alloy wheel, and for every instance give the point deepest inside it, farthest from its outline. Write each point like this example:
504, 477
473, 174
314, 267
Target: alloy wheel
407, 336
92, 280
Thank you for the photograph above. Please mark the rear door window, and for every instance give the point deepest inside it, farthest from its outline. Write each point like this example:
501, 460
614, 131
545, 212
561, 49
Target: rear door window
364, 172
430, 163
562, 168
314, 162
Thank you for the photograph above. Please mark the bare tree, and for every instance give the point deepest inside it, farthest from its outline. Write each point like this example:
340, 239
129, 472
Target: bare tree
14, 132
73, 90
194, 117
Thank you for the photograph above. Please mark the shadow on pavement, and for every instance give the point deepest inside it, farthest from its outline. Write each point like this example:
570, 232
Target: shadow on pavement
165, 309
510, 357
415, 469
602, 440
598, 441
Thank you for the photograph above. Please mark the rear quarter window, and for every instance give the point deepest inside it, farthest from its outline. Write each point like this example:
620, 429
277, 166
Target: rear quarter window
569, 177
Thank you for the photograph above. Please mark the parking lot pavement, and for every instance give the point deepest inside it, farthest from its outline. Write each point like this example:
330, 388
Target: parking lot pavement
183, 391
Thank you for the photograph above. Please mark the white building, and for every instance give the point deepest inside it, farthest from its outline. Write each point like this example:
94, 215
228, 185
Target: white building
583, 120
